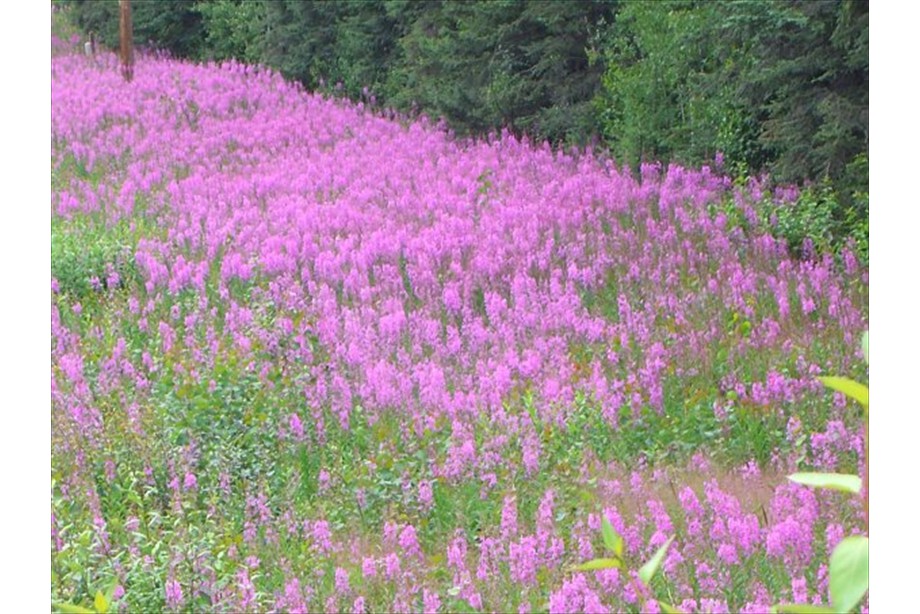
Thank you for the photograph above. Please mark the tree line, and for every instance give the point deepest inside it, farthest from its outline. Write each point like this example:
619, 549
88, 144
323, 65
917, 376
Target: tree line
769, 86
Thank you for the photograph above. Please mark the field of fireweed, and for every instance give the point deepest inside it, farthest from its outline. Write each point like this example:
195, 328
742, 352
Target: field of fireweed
310, 357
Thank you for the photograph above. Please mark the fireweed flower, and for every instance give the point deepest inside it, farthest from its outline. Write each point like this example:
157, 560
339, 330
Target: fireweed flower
431, 602
341, 580
247, 592
715, 606
522, 560
426, 299
799, 590
425, 495
322, 538
174, 598
296, 427
293, 600
190, 482
392, 566
408, 541
369, 567
323, 480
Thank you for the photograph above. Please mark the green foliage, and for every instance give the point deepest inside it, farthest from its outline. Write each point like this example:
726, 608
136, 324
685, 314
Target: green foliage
68, 608
234, 29
856, 391
833, 481
102, 603
338, 47
612, 540
596, 564
660, 98
811, 216
614, 543
648, 570
820, 215
98, 18
173, 25
817, 217
780, 87
849, 573
510, 64
83, 256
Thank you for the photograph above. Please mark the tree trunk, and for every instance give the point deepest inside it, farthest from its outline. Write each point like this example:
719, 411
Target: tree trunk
127, 40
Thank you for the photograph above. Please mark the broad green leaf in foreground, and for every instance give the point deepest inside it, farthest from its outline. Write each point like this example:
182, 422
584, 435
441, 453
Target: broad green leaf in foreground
647, 572
69, 608
849, 572
612, 539
801, 608
110, 594
102, 606
667, 608
844, 482
856, 391
596, 564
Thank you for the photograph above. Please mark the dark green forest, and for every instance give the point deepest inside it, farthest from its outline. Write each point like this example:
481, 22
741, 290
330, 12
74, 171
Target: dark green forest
780, 88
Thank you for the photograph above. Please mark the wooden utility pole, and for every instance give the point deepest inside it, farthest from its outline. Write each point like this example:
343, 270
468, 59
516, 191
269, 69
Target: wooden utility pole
127, 40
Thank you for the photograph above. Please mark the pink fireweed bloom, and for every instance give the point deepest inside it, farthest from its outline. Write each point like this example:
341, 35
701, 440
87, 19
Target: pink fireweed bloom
247, 592
174, 597
522, 560
369, 567
425, 495
322, 538
392, 566
799, 590
293, 600
576, 596
341, 581
323, 480
431, 602
296, 427
190, 482
408, 542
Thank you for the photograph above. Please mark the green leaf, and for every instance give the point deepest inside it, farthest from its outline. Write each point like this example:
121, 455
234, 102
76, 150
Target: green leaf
849, 572
844, 482
69, 608
612, 539
856, 391
648, 570
102, 606
865, 346
110, 594
667, 608
801, 608
596, 564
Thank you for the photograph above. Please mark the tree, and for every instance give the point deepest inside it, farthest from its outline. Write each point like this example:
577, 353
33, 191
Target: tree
505, 64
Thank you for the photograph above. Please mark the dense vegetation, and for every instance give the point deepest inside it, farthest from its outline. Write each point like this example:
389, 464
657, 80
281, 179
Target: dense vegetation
307, 355
776, 87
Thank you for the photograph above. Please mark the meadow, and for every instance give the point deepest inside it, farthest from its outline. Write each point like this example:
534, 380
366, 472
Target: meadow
311, 356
